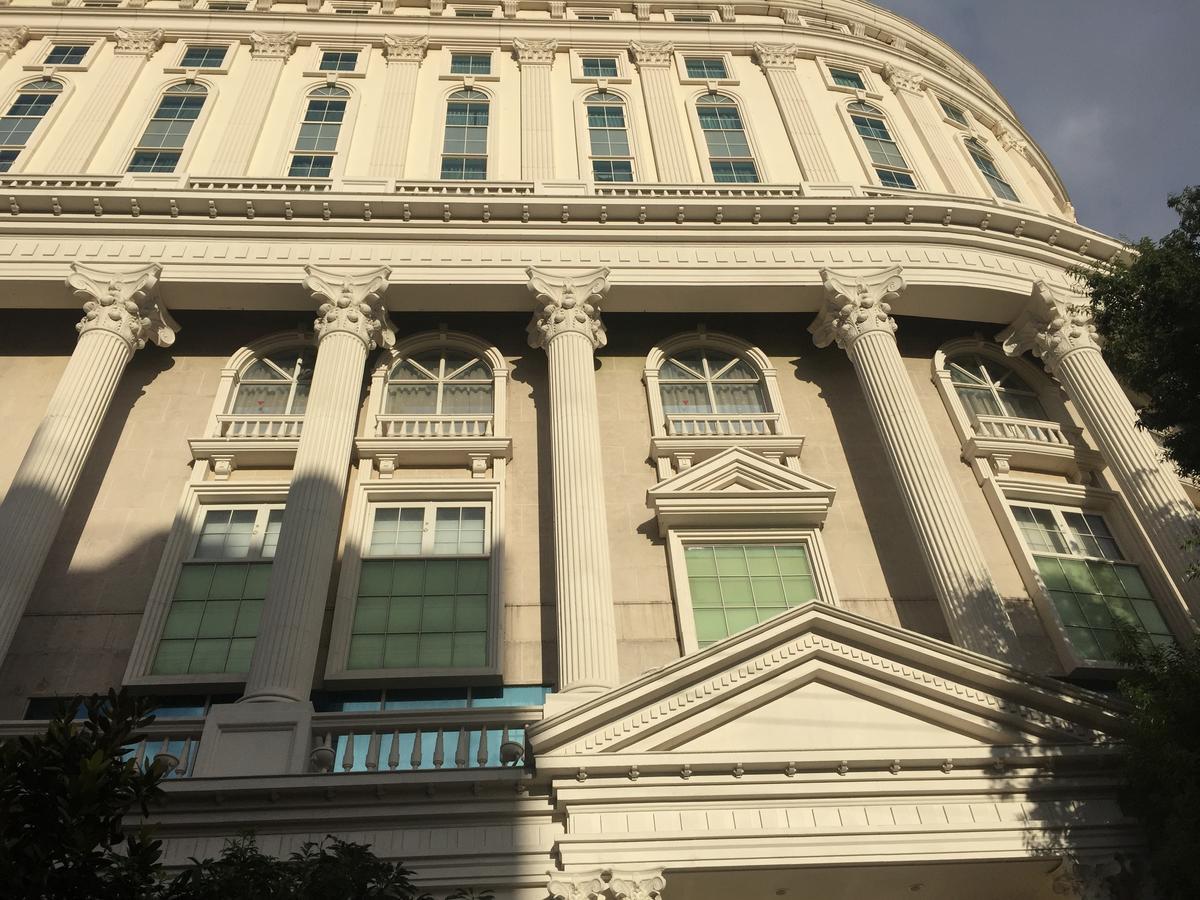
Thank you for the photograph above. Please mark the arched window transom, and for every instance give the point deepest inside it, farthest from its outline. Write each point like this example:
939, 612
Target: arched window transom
27, 111
464, 147
317, 141
442, 383
891, 168
709, 382
275, 385
989, 388
162, 142
729, 153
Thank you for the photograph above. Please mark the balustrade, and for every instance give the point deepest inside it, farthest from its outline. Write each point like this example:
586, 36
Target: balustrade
172, 745
728, 425
1037, 430
431, 426
248, 426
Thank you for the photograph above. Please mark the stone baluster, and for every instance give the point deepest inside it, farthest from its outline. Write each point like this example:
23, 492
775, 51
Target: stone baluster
537, 131
133, 47
351, 322
121, 313
404, 56
1058, 329
856, 316
567, 325
269, 53
655, 61
778, 63
949, 158
12, 40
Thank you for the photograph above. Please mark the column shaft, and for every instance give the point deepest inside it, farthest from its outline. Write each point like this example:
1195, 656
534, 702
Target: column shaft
537, 132
779, 66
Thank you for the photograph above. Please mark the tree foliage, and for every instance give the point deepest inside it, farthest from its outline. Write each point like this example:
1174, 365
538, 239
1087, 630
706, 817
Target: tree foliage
1148, 311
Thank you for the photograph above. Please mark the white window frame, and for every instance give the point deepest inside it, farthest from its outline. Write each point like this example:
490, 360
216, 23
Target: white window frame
248, 7
701, 143
198, 498
360, 62
679, 539
986, 185
681, 57
674, 14
864, 155
466, 81
42, 49
610, 15
938, 99
872, 90
193, 138
223, 69
370, 494
491, 11
351, 8
345, 133
621, 56
584, 138
33, 144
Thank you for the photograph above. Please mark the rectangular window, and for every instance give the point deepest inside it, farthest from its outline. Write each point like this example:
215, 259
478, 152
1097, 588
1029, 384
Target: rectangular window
594, 17
7, 158
473, 13
734, 172
736, 586
214, 613
1094, 589
423, 595
599, 67
339, 61
953, 113
612, 170
226, 6
893, 179
471, 64
847, 79
203, 57
706, 67
101, 4
693, 18
66, 54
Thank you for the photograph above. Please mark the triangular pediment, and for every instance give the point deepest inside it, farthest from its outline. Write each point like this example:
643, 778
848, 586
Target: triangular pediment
735, 487
818, 682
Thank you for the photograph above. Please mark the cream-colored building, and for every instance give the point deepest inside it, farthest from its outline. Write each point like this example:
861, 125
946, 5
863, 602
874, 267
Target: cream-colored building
780, 553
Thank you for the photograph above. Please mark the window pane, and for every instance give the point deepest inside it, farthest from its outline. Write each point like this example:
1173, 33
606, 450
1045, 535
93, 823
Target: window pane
198, 57
735, 587
705, 67
212, 621
599, 67
846, 78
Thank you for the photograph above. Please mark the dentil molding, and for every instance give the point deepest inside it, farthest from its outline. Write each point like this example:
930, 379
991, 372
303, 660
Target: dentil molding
351, 303
1052, 326
855, 305
123, 303
567, 304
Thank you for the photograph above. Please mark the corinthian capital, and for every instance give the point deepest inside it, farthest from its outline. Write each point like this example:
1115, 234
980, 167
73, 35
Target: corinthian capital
272, 44
535, 53
1052, 325
903, 80
776, 56
856, 305
603, 883
405, 49
351, 303
567, 303
137, 42
652, 53
12, 39
123, 303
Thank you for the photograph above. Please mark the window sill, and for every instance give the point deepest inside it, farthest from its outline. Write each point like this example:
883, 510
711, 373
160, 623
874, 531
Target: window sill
450, 76
180, 70
322, 73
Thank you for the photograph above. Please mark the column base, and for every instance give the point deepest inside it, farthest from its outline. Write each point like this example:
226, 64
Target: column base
268, 738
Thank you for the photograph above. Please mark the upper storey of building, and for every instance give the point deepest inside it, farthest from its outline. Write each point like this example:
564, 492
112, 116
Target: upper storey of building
792, 99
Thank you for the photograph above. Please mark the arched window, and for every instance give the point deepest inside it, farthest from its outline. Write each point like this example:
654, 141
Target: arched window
163, 140
989, 388
704, 382
440, 382
612, 160
33, 102
987, 167
464, 147
276, 384
318, 138
728, 149
890, 166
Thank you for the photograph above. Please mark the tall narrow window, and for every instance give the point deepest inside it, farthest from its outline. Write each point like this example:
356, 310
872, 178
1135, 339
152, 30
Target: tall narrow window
987, 168
275, 385
464, 148
27, 111
1094, 588
318, 138
424, 588
608, 134
728, 150
214, 613
889, 163
703, 382
163, 140
440, 383
990, 388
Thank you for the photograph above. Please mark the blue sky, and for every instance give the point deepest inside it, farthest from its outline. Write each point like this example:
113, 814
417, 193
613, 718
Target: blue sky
1110, 89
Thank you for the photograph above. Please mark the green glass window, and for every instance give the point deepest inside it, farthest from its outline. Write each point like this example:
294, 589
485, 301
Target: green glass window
848, 79
213, 618
736, 586
990, 388
1095, 591
423, 593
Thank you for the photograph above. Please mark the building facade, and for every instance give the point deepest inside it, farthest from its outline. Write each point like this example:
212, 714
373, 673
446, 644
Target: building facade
582, 449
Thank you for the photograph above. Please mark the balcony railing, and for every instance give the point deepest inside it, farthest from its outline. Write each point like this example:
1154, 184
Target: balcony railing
247, 426
1037, 430
728, 425
414, 741
430, 426
173, 745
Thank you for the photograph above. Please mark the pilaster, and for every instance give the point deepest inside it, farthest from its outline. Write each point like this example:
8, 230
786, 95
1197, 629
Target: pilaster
121, 313
535, 59
132, 47
404, 56
654, 61
856, 314
567, 325
778, 62
948, 158
269, 52
1058, 329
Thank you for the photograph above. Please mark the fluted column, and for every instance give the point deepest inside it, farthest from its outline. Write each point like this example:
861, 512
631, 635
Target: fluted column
12, 40
120, 315
567, 325
268, 54
1059, 330
404, 56
131, 50
857, 316
654, 62
947, 158
536, 58
352, 320
778, 63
